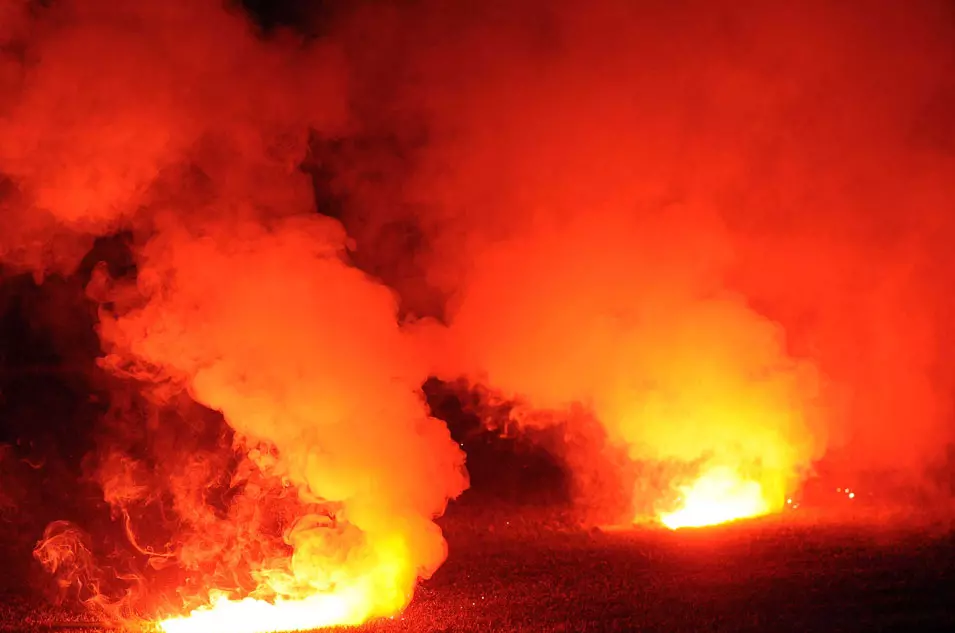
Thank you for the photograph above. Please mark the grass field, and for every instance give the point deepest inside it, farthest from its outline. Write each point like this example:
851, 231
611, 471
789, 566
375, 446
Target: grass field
762, 577
768, 578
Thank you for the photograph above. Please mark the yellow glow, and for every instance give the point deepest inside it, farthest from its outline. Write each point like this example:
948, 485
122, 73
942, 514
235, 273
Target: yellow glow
719, 495
378, 588
349, 606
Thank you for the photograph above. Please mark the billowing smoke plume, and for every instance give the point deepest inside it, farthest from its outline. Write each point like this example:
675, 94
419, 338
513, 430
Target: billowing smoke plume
720, 227
178, 124
717, 233
304, 357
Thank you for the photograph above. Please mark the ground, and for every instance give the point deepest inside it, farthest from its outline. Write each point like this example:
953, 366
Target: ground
765, 577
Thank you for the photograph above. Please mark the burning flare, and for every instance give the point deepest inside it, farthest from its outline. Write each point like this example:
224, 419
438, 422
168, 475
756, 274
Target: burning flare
717, 496
679, 372
628, 214
350, 604
260, 324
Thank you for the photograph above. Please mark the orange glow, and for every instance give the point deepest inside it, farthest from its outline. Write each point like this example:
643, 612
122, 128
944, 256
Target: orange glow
351, 603
719, 495
674, 375
341, 468
673, 240
348, 607
321, 593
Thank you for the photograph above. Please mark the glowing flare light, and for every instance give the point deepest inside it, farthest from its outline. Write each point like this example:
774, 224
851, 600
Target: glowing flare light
719, 495
357, 596
350, 606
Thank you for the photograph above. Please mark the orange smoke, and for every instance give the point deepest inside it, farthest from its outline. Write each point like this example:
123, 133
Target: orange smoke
675, 367
710, 237
107, 108
180, 124
718, 228
303, 355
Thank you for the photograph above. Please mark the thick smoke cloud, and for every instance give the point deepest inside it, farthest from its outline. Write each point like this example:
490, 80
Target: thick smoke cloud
716, 225
180, 125
106, 108
719, 230
303, 355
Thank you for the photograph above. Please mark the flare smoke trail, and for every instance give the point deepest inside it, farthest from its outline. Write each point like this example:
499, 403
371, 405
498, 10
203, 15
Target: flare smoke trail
175, 122
721, 227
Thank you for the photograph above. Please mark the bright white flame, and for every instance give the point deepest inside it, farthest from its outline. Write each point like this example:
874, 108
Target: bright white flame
717, 496
344, 607
348, 605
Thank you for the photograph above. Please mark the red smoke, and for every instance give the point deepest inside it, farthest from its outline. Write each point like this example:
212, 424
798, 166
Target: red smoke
712, 236
177, 123
681, 177
107, 108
